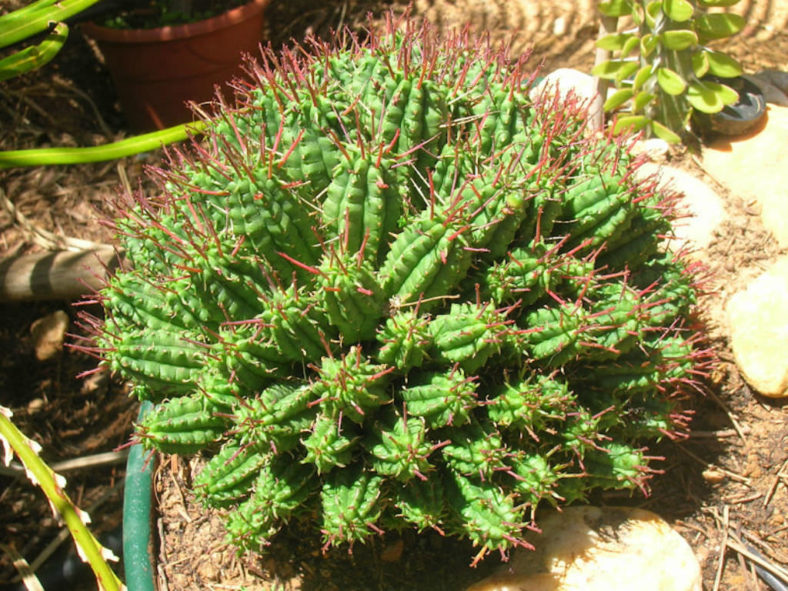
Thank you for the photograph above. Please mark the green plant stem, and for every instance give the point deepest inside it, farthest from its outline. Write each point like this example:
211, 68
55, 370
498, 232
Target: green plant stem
127, 147
43, 475
37, 17
34, 57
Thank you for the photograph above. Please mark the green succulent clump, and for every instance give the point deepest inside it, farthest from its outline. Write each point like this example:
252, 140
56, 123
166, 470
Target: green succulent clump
388, 289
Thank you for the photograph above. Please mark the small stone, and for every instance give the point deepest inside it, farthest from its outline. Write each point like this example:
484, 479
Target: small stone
48, 334
701, 210
565, 81
713, 476
655, 149
559, 26
601, 549
758, 330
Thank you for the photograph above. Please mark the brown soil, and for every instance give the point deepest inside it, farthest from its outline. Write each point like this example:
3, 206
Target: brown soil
726, 477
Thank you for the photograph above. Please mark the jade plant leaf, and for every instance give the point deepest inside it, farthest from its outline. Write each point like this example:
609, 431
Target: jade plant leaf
718, 26
615, 42
678, 39
670, 81
710, 97
616, 8
700, 63
723, 65
664, 133
618, 98
678, 10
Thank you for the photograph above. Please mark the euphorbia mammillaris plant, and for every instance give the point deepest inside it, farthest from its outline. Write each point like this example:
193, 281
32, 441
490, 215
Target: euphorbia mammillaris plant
388, 289
661, 66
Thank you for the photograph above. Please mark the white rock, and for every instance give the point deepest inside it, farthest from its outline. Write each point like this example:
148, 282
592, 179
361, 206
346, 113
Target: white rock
752, 167
601, 549
701, 210
655, 149
758, 329
564, 81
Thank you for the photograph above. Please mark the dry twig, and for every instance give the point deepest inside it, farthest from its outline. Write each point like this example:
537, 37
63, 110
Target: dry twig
723, 548
28, 577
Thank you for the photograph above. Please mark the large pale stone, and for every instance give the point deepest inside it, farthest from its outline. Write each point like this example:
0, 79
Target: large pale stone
700, 208
601, 549
758, 328
753, 167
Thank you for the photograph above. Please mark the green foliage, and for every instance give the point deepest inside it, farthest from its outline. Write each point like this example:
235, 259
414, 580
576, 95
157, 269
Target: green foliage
659, 67
390, 290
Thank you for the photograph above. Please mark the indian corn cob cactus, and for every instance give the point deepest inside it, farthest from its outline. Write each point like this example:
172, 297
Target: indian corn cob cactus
388, 289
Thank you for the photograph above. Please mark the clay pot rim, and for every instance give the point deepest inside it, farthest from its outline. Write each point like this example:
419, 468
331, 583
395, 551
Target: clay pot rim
176, 32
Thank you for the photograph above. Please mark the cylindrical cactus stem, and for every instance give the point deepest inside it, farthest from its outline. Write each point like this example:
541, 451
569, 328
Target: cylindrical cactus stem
442, 398
350, 386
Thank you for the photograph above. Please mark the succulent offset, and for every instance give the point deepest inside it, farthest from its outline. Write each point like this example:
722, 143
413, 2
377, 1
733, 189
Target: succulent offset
387, 289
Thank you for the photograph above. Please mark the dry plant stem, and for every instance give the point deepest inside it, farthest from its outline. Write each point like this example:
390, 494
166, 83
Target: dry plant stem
721, 434
777, 571
28, 577
90, 549
723, 548
731, 416
102, 459
728, 473
607, 25
776, 481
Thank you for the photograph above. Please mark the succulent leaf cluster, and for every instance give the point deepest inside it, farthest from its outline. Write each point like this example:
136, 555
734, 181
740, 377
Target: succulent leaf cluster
664, 68
387, 289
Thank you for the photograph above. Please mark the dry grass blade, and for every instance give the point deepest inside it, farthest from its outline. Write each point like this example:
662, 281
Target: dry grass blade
777, 571
102, 459
28, 577
777, 478
728, 473
723, 548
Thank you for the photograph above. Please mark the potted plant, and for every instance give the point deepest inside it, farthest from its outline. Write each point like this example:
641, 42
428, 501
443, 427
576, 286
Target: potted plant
168, 52
390, 290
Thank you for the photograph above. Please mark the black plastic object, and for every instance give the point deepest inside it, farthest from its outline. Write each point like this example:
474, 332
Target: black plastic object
739, 118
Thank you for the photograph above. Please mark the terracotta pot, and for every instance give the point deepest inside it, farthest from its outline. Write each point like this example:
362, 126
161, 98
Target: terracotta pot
156, 71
